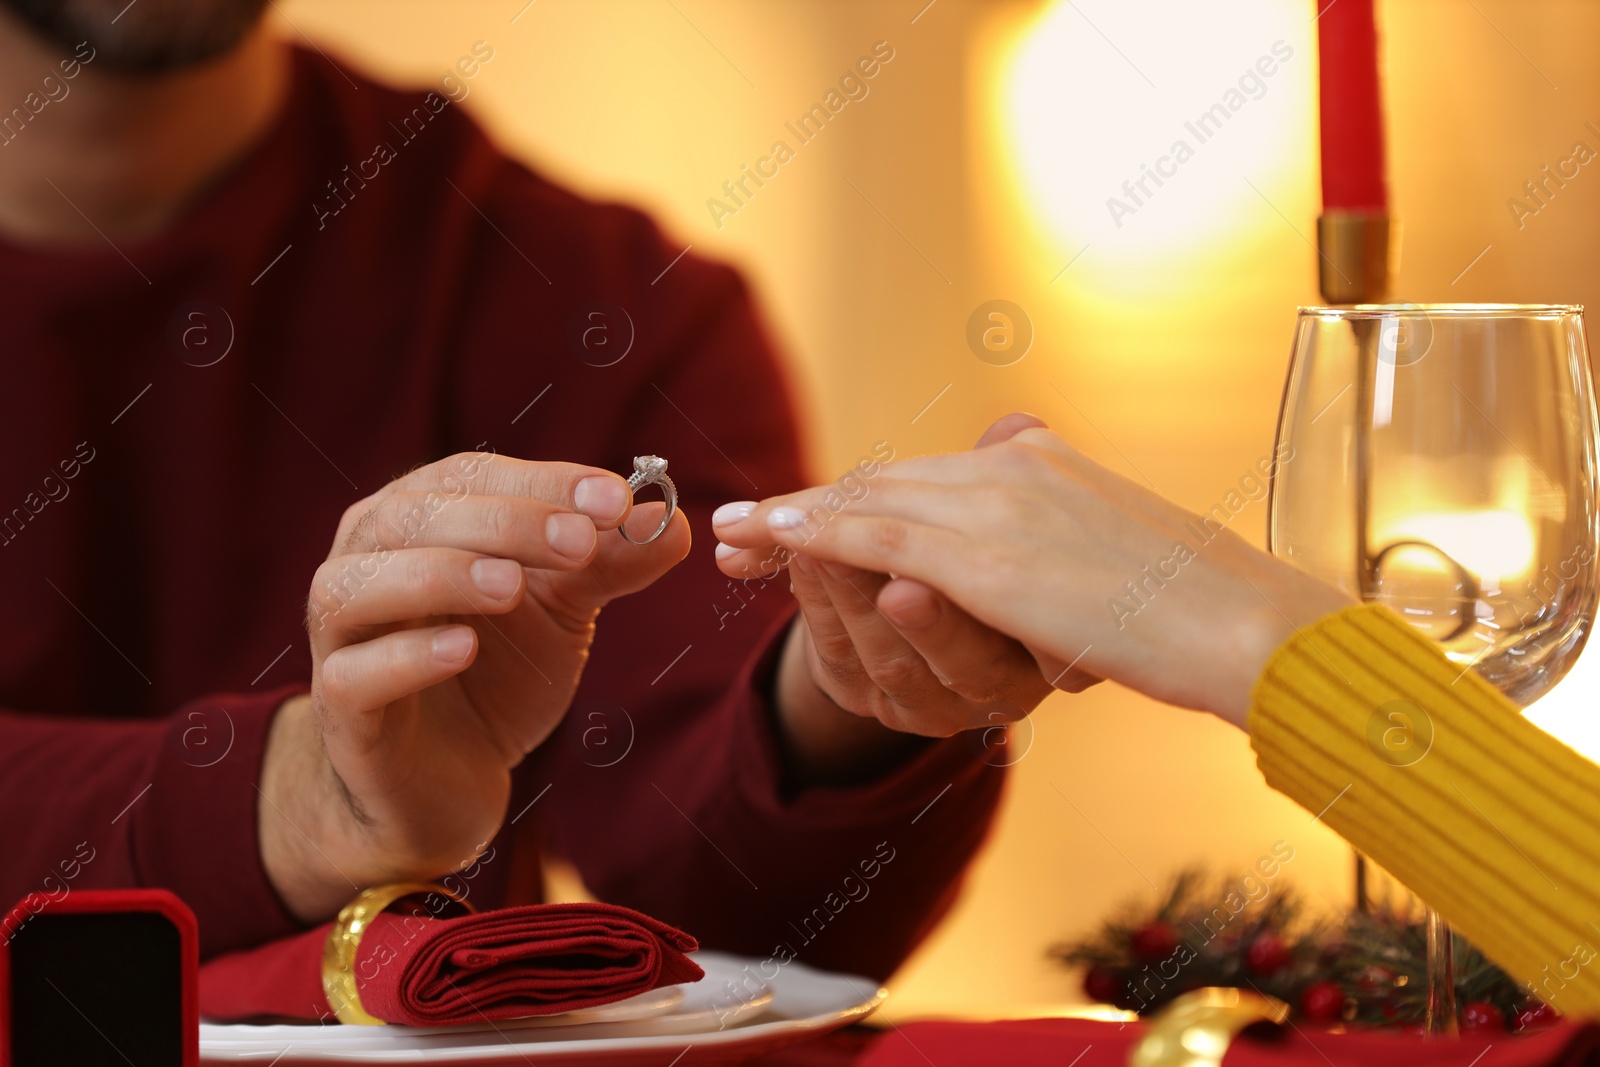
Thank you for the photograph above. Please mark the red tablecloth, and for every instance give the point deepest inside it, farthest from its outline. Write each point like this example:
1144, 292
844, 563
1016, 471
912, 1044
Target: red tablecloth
1087, 1043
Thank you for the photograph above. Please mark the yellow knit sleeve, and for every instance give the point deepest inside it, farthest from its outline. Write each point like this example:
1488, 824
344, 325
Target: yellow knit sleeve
1426, 768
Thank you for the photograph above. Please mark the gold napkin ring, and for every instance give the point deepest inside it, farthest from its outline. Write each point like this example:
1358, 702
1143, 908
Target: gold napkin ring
1196, 1029
344, 940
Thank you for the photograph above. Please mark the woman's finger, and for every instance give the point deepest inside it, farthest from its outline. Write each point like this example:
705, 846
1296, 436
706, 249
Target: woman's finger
803, 515
750, 564
885, 544
353, 595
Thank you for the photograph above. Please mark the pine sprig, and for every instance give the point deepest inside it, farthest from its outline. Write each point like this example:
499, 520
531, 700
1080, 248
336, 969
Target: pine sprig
1368, 969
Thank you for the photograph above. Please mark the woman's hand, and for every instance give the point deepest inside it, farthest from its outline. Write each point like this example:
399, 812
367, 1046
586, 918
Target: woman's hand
448, 627
869, 652
1082, 566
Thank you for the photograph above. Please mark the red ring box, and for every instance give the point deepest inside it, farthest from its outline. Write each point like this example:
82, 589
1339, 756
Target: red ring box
100, 977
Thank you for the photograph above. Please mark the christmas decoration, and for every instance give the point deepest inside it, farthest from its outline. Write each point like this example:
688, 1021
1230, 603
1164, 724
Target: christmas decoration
1368, 969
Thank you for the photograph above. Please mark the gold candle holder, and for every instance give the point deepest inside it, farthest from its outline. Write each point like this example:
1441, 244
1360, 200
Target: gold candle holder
1356, 255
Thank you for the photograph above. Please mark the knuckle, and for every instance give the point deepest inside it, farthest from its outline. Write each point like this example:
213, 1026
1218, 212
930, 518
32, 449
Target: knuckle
506, 522
386, 526
1001, 506
359, 525
835, 649
843, 672
889, 537
998, 566
905, 677
427, 575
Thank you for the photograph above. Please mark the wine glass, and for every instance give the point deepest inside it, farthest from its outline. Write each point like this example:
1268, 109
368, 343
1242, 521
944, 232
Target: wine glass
1440, 459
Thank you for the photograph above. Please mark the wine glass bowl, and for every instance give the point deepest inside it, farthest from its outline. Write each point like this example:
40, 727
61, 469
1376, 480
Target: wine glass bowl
1444, 465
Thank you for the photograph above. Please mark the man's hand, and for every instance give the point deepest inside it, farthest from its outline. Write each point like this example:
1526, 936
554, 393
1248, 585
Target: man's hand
449, 627
888, 650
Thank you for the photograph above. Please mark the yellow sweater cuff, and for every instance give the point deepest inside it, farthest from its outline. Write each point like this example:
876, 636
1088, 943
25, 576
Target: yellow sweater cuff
1426, 768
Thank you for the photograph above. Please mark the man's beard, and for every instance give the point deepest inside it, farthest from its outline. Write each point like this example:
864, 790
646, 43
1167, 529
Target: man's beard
145, 36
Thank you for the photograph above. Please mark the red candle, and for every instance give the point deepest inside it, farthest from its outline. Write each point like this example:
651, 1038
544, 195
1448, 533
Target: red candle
1352, 114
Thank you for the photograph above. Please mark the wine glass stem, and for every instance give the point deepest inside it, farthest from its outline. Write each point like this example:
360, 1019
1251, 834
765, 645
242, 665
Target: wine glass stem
1441, 1016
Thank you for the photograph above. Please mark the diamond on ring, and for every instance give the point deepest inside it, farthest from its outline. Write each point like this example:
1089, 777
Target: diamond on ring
652, 470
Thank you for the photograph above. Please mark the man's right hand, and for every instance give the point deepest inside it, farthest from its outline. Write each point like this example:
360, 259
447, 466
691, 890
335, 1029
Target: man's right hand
449, 627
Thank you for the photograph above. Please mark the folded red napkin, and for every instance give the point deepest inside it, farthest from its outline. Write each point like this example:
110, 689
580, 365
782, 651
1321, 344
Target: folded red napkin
1088, 1043
538, 959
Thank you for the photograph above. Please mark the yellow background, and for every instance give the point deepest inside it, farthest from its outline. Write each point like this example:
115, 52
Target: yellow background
977, 168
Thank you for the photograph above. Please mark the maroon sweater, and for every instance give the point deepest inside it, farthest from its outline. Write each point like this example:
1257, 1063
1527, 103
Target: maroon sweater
184, 420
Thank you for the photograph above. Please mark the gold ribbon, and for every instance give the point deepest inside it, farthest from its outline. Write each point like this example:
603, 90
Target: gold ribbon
1196, 1029
344, 940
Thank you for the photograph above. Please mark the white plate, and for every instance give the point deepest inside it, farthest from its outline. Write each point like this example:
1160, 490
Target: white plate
729, 1010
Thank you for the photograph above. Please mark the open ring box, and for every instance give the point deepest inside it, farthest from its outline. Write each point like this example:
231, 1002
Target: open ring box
100, 977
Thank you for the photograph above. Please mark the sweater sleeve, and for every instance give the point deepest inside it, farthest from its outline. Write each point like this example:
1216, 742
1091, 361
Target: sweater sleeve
169, 803
1426, 768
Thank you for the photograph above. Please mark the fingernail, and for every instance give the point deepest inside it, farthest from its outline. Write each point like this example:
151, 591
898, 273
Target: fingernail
728, 514
453, 645
785, 518
571, 535
726, 551
499, 578
600, 497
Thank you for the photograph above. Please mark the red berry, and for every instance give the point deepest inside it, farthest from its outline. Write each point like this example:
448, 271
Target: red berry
1479, 1016
1155, 940
1322, 1002
1536, 1015
1267, 954
1103, 986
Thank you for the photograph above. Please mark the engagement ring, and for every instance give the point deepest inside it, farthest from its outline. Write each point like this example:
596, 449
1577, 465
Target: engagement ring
652, 470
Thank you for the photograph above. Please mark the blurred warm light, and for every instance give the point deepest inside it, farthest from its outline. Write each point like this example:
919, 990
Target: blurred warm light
1569, 710
1093, 102
1493, 546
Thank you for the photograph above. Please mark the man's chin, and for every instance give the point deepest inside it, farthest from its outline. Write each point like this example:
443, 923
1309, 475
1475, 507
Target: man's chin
144, 36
